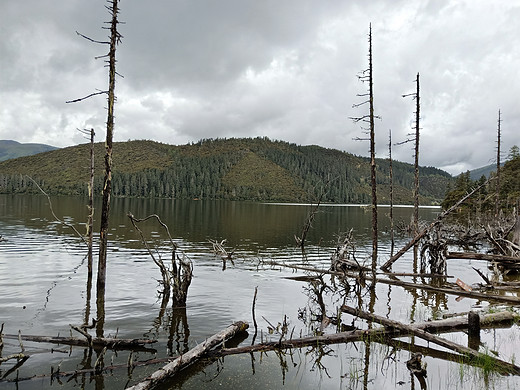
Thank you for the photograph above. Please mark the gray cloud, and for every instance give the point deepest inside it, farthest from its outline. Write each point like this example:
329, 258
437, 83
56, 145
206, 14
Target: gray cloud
286, 70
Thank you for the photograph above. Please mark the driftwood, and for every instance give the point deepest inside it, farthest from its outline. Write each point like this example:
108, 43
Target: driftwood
511, 368
189, 357
111, 343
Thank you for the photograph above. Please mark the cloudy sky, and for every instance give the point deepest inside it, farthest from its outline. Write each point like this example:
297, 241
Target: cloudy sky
285, 69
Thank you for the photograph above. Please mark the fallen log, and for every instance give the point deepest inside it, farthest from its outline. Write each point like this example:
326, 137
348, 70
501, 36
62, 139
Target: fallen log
482, 256
380, 335
511, 368
437, 354
111, 343
189, 357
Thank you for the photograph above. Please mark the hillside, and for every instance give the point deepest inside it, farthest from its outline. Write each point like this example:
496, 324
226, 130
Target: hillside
12, 149
242, 169
477, 173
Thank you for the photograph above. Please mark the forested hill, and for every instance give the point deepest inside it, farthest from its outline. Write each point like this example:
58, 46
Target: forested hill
242, 169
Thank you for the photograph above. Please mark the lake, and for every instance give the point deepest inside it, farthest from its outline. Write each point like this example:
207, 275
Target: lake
43, 283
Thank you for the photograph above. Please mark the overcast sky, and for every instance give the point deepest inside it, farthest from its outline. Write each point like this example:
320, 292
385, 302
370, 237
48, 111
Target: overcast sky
285, 69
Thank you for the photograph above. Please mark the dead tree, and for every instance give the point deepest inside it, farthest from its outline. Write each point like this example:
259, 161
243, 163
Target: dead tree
115, 39
367, 76
497, 183
391, 172
178, 277
300, 241
415, 139
394, 258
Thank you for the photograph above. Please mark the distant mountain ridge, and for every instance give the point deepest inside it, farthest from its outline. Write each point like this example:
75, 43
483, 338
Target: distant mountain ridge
256, 169
477, 173
12, 149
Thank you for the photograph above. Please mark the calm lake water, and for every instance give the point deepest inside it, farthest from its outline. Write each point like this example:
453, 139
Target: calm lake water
43, 284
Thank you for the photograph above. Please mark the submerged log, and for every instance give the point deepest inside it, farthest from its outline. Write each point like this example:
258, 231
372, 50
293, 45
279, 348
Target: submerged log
111, 343
380, 335
189, 357
511, 368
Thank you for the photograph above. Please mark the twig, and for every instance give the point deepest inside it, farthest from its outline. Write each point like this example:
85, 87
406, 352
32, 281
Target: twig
87, 97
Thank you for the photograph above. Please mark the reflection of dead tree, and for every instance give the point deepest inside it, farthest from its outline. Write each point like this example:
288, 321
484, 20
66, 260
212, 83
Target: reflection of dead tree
179, 332
417, 368
315, 316
177, 278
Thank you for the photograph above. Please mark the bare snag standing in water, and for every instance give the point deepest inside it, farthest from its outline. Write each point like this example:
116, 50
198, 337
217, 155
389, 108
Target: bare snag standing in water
177, 278
115, 39
367, 76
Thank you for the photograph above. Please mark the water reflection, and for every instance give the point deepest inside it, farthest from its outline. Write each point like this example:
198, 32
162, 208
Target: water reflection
39, 252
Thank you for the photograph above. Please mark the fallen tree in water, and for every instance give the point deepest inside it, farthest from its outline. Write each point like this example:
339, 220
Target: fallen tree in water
189, 357
423, 334
381, 334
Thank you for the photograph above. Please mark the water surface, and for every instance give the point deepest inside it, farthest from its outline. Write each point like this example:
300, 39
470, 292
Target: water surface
43, 279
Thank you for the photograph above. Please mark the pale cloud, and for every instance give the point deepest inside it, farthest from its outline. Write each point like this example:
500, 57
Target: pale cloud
286, 70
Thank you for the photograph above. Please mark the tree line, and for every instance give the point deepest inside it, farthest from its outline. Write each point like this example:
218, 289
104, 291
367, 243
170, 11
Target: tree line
485, 199
256, 169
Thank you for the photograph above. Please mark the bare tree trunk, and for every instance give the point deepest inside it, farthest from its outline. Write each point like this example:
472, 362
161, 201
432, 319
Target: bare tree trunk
90, 227
391, 193
115, 37
416, 179
367, 76
372, 156
497, 184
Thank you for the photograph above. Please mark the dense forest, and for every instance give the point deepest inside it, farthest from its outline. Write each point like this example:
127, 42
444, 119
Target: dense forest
256, 169
485, 199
